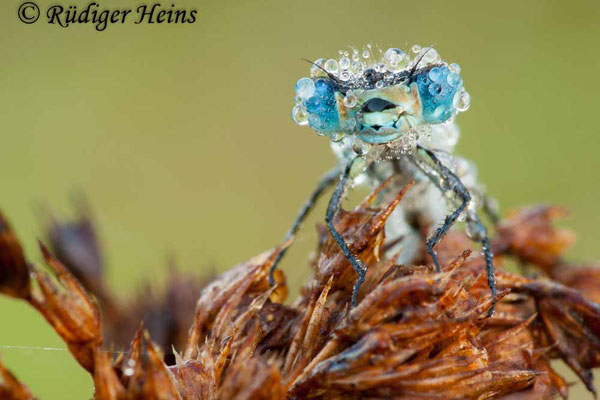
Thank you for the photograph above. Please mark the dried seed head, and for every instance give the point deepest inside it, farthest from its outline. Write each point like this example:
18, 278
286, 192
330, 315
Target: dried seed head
415, 333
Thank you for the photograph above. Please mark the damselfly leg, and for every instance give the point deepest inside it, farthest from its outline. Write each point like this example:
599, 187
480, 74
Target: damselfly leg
446, 180
334, 205
327, 180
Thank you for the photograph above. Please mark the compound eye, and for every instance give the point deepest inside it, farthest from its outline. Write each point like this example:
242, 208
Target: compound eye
376, 105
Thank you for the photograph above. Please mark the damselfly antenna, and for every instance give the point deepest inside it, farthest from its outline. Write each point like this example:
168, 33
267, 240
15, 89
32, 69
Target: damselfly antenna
414, 68
329, 74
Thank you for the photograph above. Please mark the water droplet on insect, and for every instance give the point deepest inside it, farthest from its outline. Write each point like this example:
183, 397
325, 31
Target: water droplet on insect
379, 84
299, 115
345, 75
436, 74
393, 55
415, 49
355, 67
305, 88
454, 79
315, 71
380, 68
331, 66
338, 136
430, 56
474, 232
344, 63
350, 100
461, 101
366, 54
435, 89
454, 67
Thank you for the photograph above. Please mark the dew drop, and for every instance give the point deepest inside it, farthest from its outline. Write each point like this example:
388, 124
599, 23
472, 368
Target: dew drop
435, 89
379, 84
344, 63
474, 231
454, 67
366, 54
436, 74
415, 49
345, 75
350, 100
305, 88
461, 101
331, 66
394, 55
316, 71
453, 79
355, 67
299, 115
380, 68
430, 56
337, 137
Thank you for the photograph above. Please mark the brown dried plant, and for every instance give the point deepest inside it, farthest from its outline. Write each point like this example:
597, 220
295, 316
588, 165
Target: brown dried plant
415, 334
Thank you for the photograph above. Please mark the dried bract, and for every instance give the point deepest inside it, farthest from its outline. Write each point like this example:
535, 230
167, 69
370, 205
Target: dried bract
14, 271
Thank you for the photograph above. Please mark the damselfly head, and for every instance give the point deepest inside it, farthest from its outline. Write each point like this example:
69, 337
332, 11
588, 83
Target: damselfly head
377, 96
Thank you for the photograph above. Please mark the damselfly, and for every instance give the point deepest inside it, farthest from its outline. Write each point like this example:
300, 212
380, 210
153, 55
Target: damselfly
392, 113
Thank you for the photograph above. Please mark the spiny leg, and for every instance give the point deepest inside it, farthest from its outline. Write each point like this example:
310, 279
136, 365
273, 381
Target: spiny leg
325, 182
334, 205
477, 232
447, 180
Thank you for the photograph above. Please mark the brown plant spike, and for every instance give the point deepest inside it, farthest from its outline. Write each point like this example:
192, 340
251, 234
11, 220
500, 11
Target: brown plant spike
166, 311
415, 334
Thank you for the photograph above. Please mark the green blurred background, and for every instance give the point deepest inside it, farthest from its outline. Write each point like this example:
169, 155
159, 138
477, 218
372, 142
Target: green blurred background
181, 135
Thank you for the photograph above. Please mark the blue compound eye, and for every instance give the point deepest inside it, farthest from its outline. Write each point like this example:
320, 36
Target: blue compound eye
322, 108
438, 87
